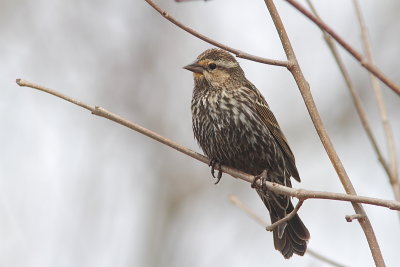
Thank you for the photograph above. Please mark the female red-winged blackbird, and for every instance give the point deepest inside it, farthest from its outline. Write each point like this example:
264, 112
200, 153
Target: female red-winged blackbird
234, 126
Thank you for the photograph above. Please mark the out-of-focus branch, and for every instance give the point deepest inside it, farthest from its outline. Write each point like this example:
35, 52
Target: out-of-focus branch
358, 105
318, 124
354, 95
301, 194
358, 56
393, 174
235, 200
237, 52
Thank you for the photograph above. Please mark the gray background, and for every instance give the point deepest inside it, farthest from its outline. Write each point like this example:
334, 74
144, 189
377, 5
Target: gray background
78, 190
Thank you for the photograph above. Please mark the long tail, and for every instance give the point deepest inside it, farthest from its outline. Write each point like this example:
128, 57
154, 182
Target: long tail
292, 236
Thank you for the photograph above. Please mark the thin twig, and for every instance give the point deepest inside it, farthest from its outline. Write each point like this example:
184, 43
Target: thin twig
286, 218
363, 61
318, 124
324, 259
393, 174
300, 194
237, 52
236, 201
354, 95
350, 218
358, 104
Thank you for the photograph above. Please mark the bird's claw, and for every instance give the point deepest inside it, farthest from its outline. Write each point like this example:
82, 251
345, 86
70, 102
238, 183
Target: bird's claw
215, 163
262, 176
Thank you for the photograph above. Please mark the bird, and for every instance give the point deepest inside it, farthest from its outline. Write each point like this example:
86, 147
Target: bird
235, 127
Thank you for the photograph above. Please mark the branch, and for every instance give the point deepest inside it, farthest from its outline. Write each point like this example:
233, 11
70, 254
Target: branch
358, 56
301, 194
350, 218
286, 218
236, 201
237, 52
393, 175
315, 117
358, 105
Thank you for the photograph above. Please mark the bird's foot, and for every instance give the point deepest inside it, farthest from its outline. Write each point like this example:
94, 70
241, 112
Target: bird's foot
262, 176
215, 163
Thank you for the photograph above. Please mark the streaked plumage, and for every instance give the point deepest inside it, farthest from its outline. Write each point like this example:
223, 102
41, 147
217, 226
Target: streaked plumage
234, 126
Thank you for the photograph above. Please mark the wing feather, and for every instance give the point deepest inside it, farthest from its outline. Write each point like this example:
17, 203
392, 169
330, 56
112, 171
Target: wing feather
270, 121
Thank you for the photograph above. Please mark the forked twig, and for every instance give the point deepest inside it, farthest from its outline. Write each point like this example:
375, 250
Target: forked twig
237, 52
393, 174
358, 56
354, 95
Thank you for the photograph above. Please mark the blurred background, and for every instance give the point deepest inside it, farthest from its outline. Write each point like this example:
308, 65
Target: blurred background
79, 190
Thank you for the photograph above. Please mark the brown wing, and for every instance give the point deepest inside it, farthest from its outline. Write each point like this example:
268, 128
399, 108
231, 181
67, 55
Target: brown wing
270, 121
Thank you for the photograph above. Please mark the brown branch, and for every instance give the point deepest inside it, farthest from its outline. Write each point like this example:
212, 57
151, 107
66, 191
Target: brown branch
236, 201
359, 106
324, 259
237, 52
350, 218
315, 117
286, 218
301, 194
354, 95
358, 56
393, 175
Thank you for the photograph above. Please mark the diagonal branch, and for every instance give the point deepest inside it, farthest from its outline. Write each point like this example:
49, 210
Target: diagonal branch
393, 175
363, 61
301, 194
354, 95
318, 124
358, 104
237, 52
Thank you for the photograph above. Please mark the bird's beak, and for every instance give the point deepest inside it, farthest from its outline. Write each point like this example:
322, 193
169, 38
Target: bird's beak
195, 67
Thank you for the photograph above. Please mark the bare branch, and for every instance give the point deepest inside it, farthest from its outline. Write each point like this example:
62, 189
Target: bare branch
301, 194
318, 124
350, 218
181, 1
323, 258
237, 52
358, 56
393, 175
354, 95
357, 103
286, 218
235, 200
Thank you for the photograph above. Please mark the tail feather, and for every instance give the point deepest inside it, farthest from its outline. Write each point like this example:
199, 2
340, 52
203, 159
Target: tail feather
290, 237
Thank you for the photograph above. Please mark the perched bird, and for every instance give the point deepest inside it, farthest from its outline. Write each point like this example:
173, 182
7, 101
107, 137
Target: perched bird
234, 126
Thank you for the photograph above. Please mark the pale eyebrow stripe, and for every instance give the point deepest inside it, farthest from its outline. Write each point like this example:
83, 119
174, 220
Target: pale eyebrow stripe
226, 64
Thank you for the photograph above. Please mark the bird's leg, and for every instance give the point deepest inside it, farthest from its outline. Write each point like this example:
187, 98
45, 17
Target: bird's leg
213, 163
262, 176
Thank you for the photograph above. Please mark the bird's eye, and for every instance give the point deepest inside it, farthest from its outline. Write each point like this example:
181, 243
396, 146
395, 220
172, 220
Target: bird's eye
212, 66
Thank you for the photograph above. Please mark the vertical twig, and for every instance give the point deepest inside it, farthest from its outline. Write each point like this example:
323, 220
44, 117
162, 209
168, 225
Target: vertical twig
393, 174
312, 109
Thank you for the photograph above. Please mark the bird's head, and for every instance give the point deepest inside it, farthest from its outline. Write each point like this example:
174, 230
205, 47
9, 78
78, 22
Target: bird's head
215, 67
